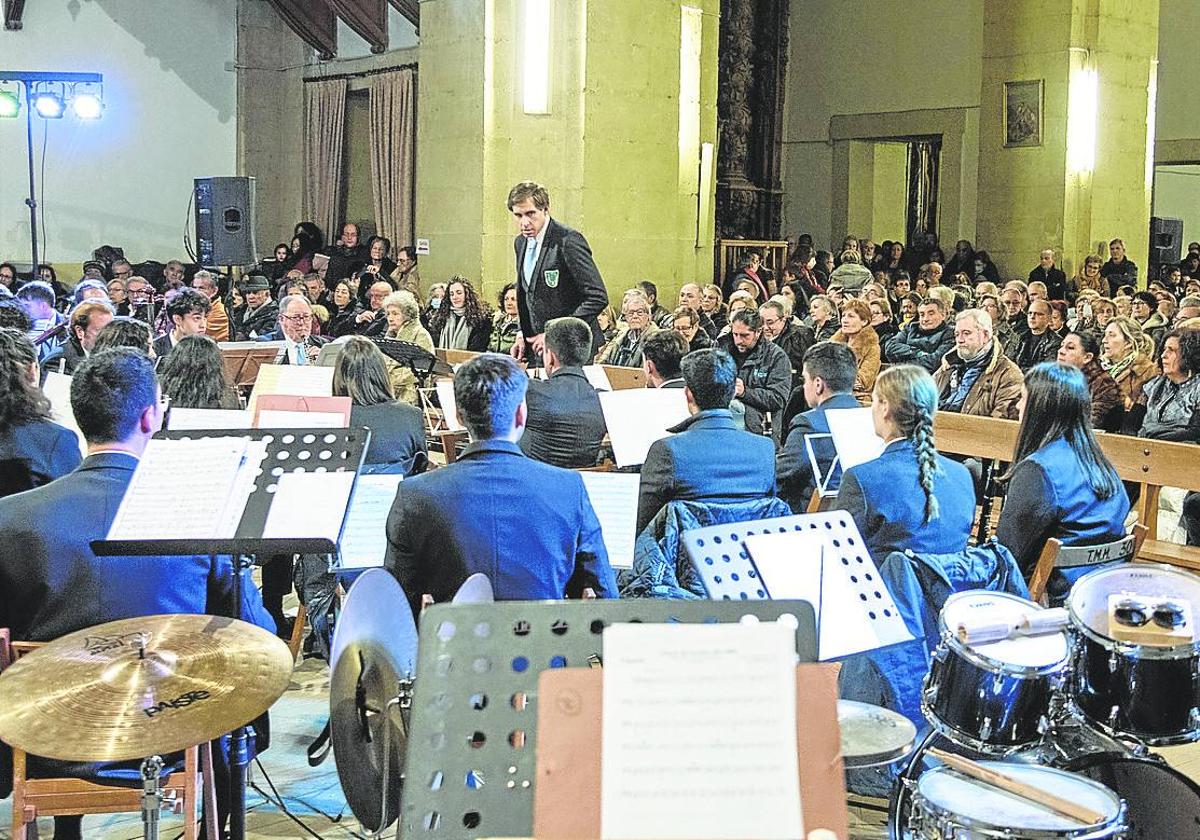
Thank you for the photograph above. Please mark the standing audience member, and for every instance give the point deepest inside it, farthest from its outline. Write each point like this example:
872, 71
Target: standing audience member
506, 325
976, 377
925, 342
192, 375
764, 373
1119, 270
398, 444
1128, 358
1082, 350
464, 324
1051, 275
858, 334
33, 449
910, 497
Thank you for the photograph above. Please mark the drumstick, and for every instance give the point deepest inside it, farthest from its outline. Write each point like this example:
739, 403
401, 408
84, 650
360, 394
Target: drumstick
1075, 811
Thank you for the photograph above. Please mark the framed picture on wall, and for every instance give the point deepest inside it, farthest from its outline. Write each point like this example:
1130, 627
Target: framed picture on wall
1023, 113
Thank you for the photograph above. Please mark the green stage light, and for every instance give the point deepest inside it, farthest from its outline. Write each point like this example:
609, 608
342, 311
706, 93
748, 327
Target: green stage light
10, 105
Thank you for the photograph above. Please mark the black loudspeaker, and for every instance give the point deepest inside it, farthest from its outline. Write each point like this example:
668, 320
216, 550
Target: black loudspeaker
1166, 240
225, 221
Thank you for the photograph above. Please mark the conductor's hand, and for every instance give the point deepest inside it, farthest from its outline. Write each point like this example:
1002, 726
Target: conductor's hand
539, 343
739, 387
518, 348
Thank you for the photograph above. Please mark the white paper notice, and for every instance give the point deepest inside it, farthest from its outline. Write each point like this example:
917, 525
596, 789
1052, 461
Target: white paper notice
196, 419
598, 378
614, 497
638, 417
445, 392
682, 760
309, 505
803, 566
854, 436
364, 539
301, 420
153, 507
57, 389
296, 380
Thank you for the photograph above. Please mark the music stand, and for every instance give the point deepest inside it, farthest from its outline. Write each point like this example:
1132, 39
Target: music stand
420, 361
242, 359
471, 767
288, 450
822, 481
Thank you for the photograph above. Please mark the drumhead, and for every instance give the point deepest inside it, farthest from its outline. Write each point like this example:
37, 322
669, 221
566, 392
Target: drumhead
983, 805
1088, 601
995, 607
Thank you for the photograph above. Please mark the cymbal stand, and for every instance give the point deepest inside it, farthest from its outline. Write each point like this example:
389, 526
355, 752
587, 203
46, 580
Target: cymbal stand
152, 800
240, 739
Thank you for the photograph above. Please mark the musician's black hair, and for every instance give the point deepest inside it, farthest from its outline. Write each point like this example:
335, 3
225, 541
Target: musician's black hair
109, 392
711, 377
488, 389
13, 316
666, 349
187, 302
37, 290
570, 339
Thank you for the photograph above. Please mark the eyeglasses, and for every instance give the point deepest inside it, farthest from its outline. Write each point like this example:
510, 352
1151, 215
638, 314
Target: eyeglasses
628, 312
295, 319
1132, 613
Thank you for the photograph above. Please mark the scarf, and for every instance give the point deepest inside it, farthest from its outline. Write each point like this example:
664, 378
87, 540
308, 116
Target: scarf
455, 332
1118, 368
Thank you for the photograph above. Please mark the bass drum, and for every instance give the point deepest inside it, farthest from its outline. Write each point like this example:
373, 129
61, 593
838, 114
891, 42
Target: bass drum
1160, 802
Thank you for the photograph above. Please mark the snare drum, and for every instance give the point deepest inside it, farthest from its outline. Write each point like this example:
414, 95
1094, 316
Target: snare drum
1148, 691
992, 697
949, 806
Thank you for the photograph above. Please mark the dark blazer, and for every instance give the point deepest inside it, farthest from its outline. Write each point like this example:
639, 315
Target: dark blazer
565, 425
397, 436
708, 459
793, 471
1048, 497
1055, 280
40, 452
528, 526
565, 282
311, 341
261, 321
888, 505
162, 345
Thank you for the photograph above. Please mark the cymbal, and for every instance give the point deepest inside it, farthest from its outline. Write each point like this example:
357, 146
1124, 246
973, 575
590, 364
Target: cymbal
374, 647
141, 686
873, 735
477, 589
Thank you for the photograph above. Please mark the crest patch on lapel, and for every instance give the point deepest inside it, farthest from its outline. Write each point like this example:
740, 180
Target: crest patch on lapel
551, 278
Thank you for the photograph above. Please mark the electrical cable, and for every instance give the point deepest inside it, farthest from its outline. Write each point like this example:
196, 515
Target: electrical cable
42, 200
187, 219
278, 801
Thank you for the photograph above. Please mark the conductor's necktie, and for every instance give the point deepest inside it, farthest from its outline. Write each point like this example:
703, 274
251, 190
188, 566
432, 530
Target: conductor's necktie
530, 262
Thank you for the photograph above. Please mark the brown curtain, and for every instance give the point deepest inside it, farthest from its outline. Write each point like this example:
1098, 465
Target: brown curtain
324, 131
369, 18
393, 134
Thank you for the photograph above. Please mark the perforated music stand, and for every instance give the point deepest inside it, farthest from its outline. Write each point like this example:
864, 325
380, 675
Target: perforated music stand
420, 361
471, 763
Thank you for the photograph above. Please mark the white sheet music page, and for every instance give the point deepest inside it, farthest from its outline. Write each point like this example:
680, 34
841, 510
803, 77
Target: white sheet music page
854, 437
614, 498
182, 489
309, 505
195, 419
699, 735
364, 539
597, 377
296, 380
300, 420
638, 417
57, 389
445, 392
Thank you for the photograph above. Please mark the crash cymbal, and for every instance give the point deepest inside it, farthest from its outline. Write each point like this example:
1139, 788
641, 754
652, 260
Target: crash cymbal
141, 686
374, 649
476, 589
873, 735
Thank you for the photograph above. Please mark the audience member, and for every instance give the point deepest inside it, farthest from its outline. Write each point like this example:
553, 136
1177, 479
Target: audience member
857, 333
465, 323
881, 319
910, 497
827, 378
1051, 275
529, 526
976, 377
125, 332
8, 276
686, 322
690, 296
1128, 358
402, 316
1172, 400
1039, 343
1143, 308
564, 426
625, 349
1058, 317
374, 319
506, 323
850, 274
406, 276
1089, 277
791, 336
753, 276
984, 269
86, 320
187, 311
764, 373
192, 375
119, 295
261, 314
1082, 350
660, 316
217, 323
398, 445
344, 310
662, 354
707, 458
33, 449
712, 304
49, 326
607, 320
347, 255
927, 340
1119, 270
823, 318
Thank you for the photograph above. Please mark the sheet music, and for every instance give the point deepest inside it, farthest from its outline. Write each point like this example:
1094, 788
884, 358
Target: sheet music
309, 505
614, 497
854, 436
193, 419
300, 420
699, 736
243, 485
445, 392
296, 380
364, 539
200, 471
57, 389
597, 377
636, 418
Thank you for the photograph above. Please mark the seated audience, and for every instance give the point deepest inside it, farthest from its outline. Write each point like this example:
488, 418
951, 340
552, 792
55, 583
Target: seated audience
1039, 343
984, 269
437, 295
87, 319
858, 334
402, 316
1172, 400
33, 449
708, 458
1128, 358
38, 300
125, 332
192, 376
1143, 308
506, 323
89, 290
851, 274
660, 316
607, 321
1082, 350
926, 341
343, 310
188, 313
529, 527
764, 373
827, 377
118, 294
374, 319
689, 296
881, 319
976, 377
347, 255
465, 323
910, 497
564, 424
687, 324
406, 276
398, 444
823, 317
791, 336
712, 304
662, 355
625, 348
1088, 278
218, 319
1036, 291
1061, 484
1015, 300
261, 313
378, 263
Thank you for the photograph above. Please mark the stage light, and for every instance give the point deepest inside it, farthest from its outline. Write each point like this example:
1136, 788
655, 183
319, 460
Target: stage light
87, 106
10, 104
48, 105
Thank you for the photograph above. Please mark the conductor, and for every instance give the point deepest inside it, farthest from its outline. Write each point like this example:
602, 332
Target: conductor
556, 275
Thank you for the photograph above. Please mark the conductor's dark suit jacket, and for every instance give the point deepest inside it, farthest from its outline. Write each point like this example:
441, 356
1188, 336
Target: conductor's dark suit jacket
565, 426
709, 459
565, 282
528, 526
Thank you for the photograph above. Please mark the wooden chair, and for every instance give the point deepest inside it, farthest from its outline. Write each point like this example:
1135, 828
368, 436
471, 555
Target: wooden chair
1055, 555
58, 797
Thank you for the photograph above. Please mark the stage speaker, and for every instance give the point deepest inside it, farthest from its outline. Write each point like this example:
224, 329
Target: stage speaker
225, 221
1166, 240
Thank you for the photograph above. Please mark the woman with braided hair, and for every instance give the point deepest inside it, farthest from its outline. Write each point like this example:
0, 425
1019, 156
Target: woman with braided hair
910, 497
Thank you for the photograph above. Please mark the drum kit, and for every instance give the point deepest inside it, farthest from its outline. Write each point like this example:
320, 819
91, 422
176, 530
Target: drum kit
139, 689
1065, 702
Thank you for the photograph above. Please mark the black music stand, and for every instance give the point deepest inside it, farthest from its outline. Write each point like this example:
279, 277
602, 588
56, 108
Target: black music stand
288, 450
420, 361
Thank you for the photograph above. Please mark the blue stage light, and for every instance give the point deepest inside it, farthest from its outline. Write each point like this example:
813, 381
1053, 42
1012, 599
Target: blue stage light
87, 106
